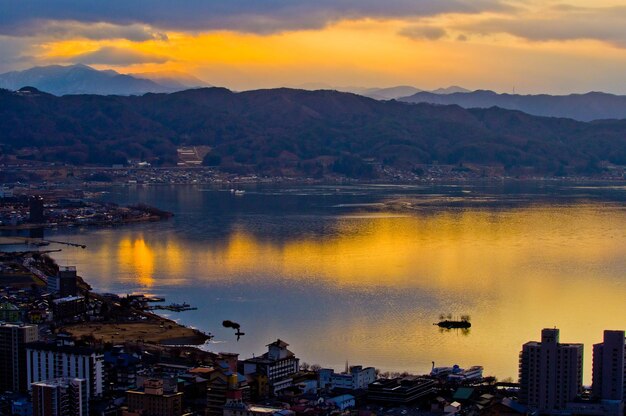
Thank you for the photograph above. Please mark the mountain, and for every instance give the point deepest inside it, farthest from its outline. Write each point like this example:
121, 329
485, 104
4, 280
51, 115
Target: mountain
390, 93
80, 79
298, 132
582, 107
394, 93
450, 90
176, 81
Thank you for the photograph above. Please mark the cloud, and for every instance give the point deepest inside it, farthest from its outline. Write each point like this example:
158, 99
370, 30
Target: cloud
258, 16
60, 30
109, 55
98, 31
423, 32
560, 23
14, 53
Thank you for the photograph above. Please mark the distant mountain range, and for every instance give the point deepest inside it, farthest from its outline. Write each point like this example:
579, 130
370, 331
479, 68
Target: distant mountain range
393, 93
82, 79
387, 93
582, 107
286, 131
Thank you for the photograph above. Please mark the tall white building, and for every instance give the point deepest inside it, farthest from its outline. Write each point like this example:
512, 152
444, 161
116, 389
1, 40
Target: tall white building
609, 367
550, 373
50, 361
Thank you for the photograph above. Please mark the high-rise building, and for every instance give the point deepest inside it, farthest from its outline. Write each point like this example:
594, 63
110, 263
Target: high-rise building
36, 213
13, 339
550, 373
60, 397
609, 367
51, 361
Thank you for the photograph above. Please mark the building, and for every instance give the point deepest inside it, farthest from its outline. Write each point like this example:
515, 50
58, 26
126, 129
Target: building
550, 373
343, 402
121, 369
152, 400
36, 213
60, 397
400, 391
236, 406
356, 378
9, 312
64, 283
218, 380
595, 408
68, 307
277, 364
51, 361
5, 192
609, 367
21, 407
13, 364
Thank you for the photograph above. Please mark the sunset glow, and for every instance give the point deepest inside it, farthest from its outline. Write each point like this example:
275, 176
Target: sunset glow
527, 45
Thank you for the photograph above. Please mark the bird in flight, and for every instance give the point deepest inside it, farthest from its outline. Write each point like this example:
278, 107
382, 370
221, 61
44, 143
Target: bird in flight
235, 326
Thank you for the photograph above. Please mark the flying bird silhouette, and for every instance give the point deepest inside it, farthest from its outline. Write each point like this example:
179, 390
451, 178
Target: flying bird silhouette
235, 326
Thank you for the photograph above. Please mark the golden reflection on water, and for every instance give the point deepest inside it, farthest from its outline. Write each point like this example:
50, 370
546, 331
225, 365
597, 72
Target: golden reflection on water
135, 255
514, 270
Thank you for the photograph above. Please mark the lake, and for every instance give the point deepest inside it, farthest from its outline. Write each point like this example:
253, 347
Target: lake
360, 273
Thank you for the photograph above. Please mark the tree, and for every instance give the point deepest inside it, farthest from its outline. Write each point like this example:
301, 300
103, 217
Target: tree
212, 159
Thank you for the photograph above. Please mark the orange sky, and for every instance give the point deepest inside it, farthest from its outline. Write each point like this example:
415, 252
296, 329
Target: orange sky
528, 45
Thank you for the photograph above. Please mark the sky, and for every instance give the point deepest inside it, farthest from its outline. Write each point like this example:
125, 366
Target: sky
526, 46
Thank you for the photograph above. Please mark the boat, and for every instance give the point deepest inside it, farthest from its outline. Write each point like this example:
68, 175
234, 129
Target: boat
440, 371
472, 373
450, 324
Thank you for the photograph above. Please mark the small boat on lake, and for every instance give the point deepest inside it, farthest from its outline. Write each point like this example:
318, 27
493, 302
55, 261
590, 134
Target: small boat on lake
447, 322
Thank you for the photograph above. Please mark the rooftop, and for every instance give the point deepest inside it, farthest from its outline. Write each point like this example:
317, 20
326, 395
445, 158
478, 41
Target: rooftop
264, 359
57, 382
67, 299
278, 343
67, 349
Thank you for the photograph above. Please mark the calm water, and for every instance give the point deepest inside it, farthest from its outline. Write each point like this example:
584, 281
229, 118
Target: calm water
343, 274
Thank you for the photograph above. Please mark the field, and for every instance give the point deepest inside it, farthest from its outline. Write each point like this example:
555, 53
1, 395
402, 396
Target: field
158, 332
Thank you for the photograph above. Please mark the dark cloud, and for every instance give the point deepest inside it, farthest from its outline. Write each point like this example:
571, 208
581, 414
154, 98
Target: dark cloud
259, 16
561, 23
117, 57
423, 32
94, 31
